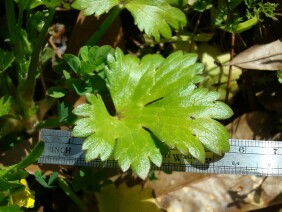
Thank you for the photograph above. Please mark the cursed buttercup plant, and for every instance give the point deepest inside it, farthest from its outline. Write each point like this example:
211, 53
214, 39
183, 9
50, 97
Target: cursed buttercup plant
154, 98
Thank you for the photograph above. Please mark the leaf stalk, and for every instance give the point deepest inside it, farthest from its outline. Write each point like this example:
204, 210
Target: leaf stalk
104, 26
28, 90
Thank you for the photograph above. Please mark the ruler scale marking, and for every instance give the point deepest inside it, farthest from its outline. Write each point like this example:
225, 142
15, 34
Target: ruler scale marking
246, 157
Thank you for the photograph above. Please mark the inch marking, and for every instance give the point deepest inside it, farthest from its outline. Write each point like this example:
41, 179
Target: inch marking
245, 157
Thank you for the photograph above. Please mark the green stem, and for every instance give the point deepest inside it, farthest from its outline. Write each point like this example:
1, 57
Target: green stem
232, 53
48, 123
31, 158
14, 31
11, 19
103, 28
73, 196
20, 18
28, 88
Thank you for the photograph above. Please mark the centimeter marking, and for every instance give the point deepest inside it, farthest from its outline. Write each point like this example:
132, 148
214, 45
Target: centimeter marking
246, 157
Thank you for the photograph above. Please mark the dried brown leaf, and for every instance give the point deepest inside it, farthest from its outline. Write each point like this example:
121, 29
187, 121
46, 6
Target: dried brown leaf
167, 183
225, 193
254, 125
261, 57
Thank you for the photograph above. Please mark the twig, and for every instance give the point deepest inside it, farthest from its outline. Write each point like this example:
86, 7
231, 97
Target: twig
28, 90
194, 32
103, 28
232, 53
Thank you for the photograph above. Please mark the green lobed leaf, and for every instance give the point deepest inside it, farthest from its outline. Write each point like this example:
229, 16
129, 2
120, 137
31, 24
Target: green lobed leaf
94, 58
154, 97
56, 92
155, 18
90, 60
96, 7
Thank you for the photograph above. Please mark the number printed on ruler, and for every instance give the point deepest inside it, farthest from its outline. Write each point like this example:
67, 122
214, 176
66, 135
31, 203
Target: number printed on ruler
245, 156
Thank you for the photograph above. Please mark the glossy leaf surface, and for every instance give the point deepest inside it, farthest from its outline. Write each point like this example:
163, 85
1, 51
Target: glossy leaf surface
155, 18
154, 99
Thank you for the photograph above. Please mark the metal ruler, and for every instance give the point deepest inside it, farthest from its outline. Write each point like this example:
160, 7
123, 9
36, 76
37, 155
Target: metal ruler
246, 157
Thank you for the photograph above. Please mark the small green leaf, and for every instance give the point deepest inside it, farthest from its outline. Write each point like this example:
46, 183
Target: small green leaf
6, 59
94, 58
64, 112
5, 105
52, 178
154, 98
83, 53
41, 179
99, 57
66, 74
202, 5
87, 68
57, 92
81, 87
46, 55
90, 60
241, 27
73, 62
15, 174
